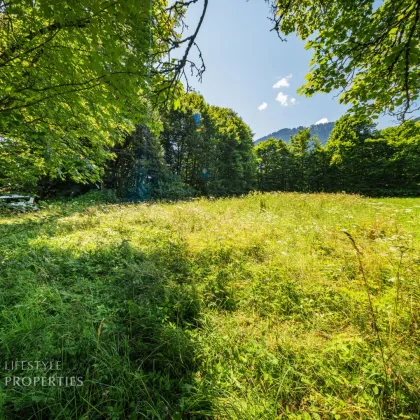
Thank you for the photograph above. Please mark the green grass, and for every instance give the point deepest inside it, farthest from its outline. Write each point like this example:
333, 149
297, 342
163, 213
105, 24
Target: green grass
244, 308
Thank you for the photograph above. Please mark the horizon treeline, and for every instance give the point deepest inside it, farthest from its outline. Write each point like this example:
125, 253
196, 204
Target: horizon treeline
199, 149
205, 150
357, 158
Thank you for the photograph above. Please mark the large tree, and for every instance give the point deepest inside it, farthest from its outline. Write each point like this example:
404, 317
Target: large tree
347, 150
213, 155
275, 165
75, 76
365, 160
369, 51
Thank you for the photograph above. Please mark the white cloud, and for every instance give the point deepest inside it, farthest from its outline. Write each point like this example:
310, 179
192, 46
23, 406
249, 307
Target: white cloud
263, 106
282, 98
284, 82
285, 100
322, 121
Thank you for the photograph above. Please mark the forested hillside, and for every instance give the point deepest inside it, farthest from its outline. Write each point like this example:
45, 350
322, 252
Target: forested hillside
323, 131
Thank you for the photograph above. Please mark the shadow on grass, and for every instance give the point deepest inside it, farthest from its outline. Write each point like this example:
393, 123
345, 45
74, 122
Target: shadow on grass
119, 320
22, 225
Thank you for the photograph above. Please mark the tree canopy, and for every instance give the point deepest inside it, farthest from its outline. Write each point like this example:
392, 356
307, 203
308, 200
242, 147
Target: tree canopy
357, 158
370, 53
215, 156
75, 76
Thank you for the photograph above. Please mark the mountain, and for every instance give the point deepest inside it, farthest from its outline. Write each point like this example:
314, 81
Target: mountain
323, 132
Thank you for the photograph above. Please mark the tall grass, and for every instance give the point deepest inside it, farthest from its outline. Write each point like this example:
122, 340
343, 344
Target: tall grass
268, 306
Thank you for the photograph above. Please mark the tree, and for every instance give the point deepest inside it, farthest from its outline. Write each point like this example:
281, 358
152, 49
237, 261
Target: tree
318, 167
274, 165
357, 158
138, 165
301, 165
75, 76
233, 164
371, 53
214, 156
300, 148
347, 150
186, 143
401, 166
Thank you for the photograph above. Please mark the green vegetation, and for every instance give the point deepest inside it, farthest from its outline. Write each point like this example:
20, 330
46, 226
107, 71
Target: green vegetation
262, 306
75, 79
91, 92
214, 156
322, 131
357, 158
368, 50
242, 308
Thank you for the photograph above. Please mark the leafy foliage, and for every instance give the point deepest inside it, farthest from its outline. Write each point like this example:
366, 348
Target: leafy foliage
301, 165
75, 77
357, 158
216, 156
370, 52
274, 166
212, 154
375, 162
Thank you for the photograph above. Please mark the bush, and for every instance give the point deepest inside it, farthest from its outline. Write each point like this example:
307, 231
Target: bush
172, 188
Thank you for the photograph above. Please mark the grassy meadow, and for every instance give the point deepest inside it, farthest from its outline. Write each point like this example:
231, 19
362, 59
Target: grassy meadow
266, 306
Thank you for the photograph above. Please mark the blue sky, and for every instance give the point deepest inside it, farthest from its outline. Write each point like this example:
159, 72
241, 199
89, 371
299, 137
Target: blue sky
245, 60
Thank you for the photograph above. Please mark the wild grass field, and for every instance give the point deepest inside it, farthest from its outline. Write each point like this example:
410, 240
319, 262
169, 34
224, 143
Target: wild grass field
267, 306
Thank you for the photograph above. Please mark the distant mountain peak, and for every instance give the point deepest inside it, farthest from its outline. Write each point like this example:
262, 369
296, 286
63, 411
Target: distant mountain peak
322, 130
